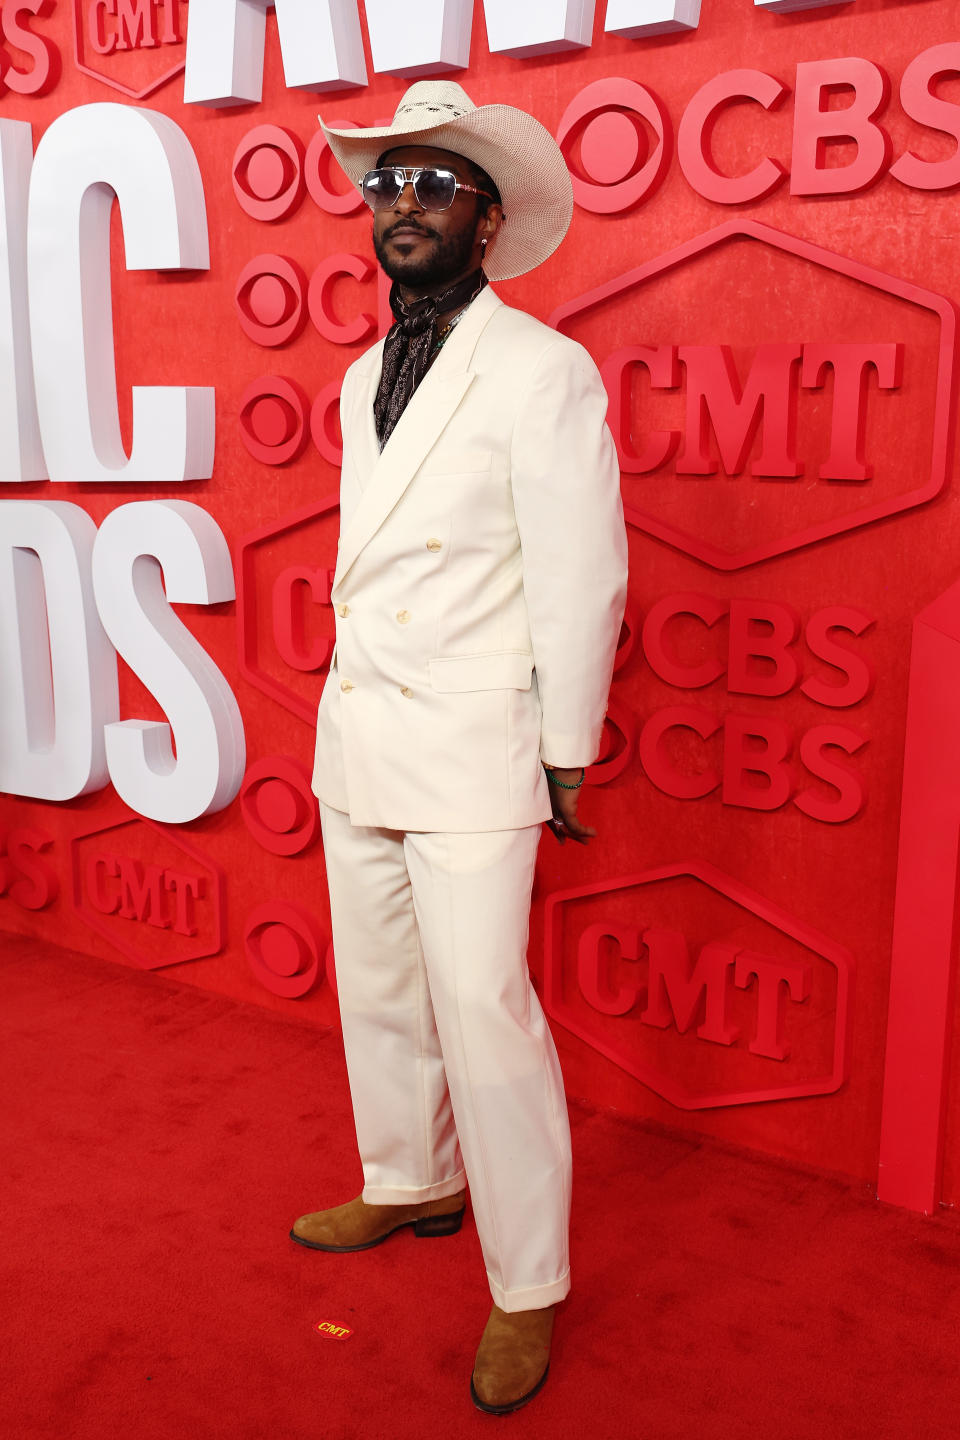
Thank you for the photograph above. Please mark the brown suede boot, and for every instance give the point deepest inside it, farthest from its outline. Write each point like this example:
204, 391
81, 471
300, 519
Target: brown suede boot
357, 1226
513, 1359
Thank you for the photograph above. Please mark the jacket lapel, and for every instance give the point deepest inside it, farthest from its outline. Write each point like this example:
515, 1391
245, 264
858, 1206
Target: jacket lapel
359, 423
422, 422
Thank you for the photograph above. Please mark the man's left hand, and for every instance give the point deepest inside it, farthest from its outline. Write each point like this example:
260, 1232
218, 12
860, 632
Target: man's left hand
565, 823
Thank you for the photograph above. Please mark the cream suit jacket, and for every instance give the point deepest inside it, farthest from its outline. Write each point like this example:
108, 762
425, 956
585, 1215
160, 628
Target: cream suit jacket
480, 583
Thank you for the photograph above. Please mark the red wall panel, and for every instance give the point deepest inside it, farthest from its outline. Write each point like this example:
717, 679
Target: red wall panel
721, 957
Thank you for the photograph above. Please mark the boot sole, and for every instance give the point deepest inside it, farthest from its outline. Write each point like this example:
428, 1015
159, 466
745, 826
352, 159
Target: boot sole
430, 1227
515, 1404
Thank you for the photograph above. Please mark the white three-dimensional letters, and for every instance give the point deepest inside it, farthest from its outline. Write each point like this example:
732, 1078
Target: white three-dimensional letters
148, 554
319, 39
21, 453
58, 671
639, 18
538, 27
87, 156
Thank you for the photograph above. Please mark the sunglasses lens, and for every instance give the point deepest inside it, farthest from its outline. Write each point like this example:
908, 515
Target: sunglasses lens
436, 189
381, 188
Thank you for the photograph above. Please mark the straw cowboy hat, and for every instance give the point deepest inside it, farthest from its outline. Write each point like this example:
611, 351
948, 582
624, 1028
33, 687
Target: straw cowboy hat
517, 152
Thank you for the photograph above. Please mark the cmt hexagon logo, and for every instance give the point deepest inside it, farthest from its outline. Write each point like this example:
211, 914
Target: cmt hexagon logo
698, 987
134, 46
767, 394
286, 625
151, 894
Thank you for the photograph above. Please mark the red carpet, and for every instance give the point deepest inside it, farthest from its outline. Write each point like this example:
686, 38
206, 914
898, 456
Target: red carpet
158, 1141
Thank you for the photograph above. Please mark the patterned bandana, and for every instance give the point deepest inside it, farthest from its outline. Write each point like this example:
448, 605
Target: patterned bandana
410, 346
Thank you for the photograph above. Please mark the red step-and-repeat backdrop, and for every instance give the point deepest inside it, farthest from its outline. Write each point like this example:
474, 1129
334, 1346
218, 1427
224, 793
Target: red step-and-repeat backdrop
764, 263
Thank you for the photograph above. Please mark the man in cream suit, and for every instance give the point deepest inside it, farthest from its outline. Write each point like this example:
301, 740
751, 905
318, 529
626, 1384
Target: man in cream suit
479, 591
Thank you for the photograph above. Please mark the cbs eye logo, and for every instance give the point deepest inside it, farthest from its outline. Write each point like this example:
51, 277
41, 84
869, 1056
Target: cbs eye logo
268, 173
616, 138
278, 806
272, 172
277, 419
274, 419
270, 300
286, 950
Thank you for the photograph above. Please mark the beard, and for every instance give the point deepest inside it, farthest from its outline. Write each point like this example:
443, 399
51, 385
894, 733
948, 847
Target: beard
447, 258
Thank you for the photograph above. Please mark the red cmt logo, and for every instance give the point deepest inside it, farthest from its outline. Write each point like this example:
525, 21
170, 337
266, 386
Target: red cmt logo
134, 46
149, 893
286, 624
699, 987
766, 394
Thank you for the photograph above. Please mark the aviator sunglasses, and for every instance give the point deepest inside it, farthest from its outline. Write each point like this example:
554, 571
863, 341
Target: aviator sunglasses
435, 188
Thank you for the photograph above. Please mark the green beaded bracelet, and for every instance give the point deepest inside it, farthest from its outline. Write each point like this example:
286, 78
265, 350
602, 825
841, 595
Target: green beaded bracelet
562, 784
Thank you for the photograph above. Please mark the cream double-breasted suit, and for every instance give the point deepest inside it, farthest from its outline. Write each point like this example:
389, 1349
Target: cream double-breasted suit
479, 591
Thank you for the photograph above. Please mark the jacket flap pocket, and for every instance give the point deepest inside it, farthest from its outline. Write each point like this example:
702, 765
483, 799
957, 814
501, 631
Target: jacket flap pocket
498, 670
449, 466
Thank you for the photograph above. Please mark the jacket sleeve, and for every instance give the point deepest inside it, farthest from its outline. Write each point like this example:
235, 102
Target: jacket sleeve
566, 495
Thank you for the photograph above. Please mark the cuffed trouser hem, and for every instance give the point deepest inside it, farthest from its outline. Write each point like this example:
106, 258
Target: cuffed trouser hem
534, 1297
413, 1194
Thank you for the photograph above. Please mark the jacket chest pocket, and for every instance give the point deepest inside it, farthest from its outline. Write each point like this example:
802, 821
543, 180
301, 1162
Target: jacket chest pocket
457, 467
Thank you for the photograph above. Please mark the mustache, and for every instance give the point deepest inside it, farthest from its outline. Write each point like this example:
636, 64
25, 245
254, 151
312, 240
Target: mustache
407, 225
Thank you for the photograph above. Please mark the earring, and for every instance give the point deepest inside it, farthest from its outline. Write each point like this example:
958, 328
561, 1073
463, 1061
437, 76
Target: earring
483, 249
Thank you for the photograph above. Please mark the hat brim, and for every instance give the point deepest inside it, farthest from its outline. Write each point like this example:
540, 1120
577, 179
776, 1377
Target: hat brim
517, 152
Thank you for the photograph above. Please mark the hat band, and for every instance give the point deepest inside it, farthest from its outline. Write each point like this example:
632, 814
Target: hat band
441, 108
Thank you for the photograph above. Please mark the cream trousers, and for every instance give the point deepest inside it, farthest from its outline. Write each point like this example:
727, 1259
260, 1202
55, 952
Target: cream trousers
447, 1047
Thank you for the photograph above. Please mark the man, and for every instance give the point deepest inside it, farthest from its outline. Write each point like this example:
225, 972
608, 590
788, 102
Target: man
479, 591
